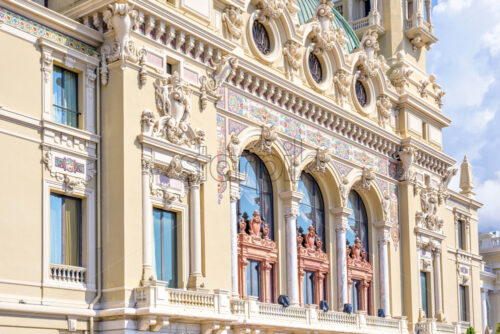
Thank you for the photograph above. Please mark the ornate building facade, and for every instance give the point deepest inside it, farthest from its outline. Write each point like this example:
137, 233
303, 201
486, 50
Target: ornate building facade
489, 248
229, 166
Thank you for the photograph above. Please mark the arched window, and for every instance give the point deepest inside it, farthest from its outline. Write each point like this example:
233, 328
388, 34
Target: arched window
358, 221
359, 270
257, 252
312, 210
313, 262
256, 191
261, 37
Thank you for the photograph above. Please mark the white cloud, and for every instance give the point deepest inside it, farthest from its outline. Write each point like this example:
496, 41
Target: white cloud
476, 123
452, 5
491, 40
487, 193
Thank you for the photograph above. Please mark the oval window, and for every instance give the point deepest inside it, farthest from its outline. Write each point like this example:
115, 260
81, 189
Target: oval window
361, 93
315, 68
261, 37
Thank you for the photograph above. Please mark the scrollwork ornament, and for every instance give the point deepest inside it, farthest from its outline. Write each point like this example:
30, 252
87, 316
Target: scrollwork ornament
400, 74
384, 106
233, 21
342, 84
291, 52
225, 70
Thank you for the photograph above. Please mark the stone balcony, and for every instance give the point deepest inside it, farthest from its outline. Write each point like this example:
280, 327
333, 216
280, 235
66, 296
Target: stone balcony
157, 304
373, 21
420, 32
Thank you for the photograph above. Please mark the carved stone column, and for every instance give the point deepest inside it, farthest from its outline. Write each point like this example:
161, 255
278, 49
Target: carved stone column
484, 308
383, 241
341, 226
291, 201
235, 179
195, 233
437, 284
148, 272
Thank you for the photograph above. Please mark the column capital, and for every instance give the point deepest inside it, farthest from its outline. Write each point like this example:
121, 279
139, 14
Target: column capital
291, 200
341, 212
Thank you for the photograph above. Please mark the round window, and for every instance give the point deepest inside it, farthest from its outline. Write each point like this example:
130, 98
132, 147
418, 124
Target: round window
261, 37
361, 93
315, 68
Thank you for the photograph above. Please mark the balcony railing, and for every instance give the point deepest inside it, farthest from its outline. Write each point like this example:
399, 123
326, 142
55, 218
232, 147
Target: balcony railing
488, 243
361, 23
67, 274
219, 306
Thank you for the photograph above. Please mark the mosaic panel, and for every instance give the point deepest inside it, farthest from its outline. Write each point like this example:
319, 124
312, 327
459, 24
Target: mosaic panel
222, 164
259, 113
38, 30
235, 127
69, 165
292, 149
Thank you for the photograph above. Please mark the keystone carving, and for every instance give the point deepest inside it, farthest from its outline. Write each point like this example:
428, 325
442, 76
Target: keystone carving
366, 179
267, 138
406, 156
270, 9
319, 164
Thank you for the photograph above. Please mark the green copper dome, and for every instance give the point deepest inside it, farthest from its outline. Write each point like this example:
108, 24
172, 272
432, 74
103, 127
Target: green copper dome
307, 8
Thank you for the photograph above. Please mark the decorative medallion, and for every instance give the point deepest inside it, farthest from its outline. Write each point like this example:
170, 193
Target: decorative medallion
361, 93
261, 37
315, 68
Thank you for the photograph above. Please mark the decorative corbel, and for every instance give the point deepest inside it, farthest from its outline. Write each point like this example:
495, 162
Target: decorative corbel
226, 69
46, 63
406, 155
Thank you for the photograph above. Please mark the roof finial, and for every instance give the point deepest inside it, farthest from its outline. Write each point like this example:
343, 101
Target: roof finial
466, 181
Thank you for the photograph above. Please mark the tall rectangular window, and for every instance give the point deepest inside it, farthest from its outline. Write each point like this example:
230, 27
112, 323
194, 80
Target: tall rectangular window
424, 286
460, 234
165, 244
65, 230
65, 96
464, 314
253, 278
308, 288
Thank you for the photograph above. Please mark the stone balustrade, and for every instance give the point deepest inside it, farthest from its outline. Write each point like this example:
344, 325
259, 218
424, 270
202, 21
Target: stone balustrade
67, 274
219, 306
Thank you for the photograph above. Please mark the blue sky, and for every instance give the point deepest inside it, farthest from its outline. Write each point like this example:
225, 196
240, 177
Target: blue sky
466, 61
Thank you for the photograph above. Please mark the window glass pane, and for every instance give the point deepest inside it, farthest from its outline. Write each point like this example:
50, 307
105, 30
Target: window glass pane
355, 294
157, 244
56, 229
253, 278
358, 222
249, 278
423, 290
253, 197
308, 288
311, 207
463, 303
170, 248
65, 230
165, 242
460, 235
65, 96
72, 228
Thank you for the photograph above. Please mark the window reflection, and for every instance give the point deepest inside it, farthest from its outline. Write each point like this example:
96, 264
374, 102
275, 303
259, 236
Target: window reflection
311, 207
256, 191
358, 222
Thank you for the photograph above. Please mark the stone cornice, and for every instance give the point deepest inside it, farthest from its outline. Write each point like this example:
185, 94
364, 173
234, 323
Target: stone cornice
465, 200
425, 108
55, 20
161, 13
